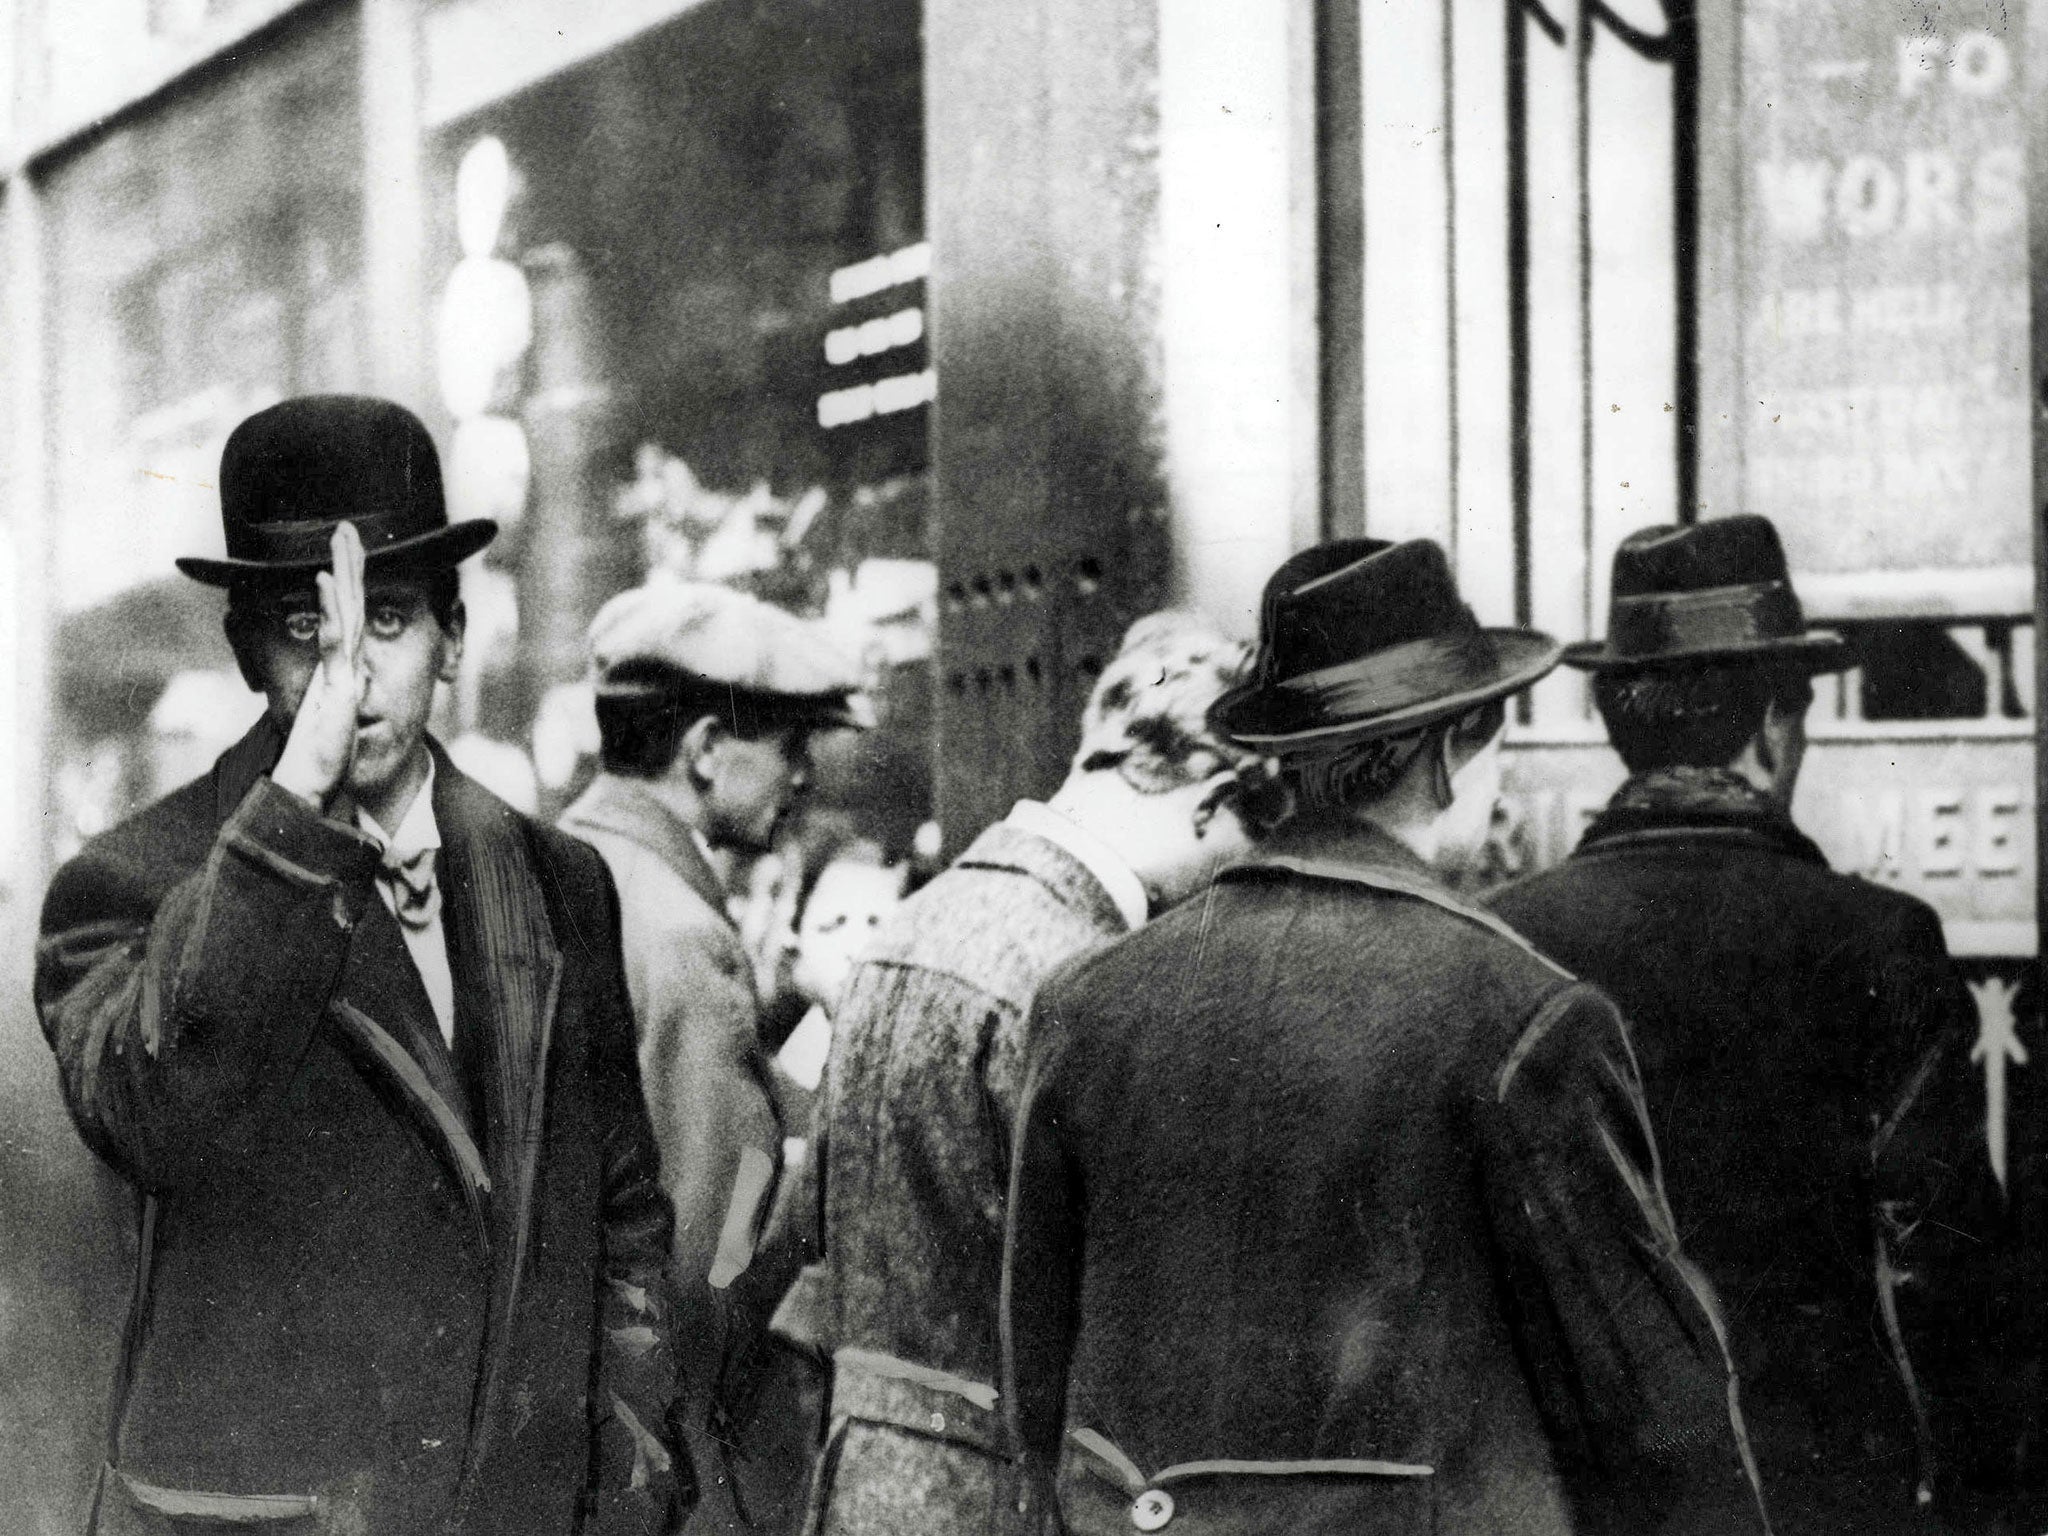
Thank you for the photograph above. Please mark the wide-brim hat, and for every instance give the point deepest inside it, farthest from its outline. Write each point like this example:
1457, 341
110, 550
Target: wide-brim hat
1715, 591
1361, 639
291, 474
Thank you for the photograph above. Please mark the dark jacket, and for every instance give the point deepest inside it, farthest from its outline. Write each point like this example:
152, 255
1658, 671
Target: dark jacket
377, 1293
1805, 1048
1335, 1209
914, 1125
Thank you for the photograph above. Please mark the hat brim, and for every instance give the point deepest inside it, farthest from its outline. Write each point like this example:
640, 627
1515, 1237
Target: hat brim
443, 547
1252, 716
851, 710
1816, 651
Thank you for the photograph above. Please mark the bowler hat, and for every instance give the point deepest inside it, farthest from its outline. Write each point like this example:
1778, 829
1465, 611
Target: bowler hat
646, 639
1359, 639
1715, 591
291, 474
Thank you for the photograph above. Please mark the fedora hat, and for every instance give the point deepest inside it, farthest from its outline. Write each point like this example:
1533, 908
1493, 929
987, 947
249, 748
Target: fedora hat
291, 474
1359, 639
1714, 591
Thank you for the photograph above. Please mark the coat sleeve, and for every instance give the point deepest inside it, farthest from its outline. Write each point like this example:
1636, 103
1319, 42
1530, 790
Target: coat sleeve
1621, 1336
707, 1090
707, 1085
177, 1018
643, 1483
1951, 1269
1042, 1250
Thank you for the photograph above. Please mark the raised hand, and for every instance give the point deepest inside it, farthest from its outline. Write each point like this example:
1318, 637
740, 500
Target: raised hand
323, 736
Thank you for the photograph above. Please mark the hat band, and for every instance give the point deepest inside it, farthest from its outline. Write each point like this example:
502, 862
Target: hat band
1414, 672
1715, 618
310, 540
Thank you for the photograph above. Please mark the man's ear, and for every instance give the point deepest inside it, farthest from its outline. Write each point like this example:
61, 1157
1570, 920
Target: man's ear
451, 646
699, 742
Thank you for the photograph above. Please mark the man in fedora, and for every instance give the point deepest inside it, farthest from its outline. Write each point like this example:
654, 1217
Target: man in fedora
358, 1034
1805, 1041
706, 701
913, 1127
1334, 1206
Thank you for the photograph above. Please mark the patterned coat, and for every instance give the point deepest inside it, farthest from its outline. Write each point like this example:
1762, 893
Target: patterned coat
376, 1293
1336, 1210
915, 1155
1805, 1045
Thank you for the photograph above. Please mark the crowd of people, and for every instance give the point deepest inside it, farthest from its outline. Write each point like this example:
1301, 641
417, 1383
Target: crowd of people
1187, 1154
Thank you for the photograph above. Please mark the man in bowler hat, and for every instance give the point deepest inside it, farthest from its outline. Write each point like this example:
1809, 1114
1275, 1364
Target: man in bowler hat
1805, 1042
1335, 1206
358, 1034
706, 702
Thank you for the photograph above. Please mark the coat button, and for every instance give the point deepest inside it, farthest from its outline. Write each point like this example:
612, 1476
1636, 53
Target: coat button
1151, 1509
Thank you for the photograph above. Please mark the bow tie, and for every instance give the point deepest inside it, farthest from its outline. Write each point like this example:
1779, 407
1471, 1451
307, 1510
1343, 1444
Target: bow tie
415, 894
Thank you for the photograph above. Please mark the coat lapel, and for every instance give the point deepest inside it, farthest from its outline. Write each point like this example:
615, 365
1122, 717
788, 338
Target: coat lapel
507, 969
382, 982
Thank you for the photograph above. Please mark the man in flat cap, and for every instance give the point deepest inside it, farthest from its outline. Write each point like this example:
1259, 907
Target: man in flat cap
706, 698
914, 1122
1805, 1043
1334, 1206
359, 1035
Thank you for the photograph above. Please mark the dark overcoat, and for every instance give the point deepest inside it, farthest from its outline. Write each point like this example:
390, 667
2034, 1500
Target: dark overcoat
377, 1293
1805, 1046
1335, 1209
914, 1150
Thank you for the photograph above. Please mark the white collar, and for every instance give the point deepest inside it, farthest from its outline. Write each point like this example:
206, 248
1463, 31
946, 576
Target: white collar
418, 830
1116, 878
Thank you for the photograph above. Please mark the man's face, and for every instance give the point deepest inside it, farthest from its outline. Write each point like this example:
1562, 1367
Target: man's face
406, 651
749, 785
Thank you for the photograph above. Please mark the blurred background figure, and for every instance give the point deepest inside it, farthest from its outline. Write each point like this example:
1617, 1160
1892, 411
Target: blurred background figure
706, 699
842, 914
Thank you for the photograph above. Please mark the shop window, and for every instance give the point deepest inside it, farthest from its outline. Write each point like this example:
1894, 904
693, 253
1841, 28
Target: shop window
1923, 670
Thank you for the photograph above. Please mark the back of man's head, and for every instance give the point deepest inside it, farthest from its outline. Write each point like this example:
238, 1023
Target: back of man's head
1695, 716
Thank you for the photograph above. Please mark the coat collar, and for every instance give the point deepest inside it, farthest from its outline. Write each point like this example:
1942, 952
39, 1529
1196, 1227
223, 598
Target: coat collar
1649, 813
236, 770
1361, 854
1118, 879
1008, 847
628, 808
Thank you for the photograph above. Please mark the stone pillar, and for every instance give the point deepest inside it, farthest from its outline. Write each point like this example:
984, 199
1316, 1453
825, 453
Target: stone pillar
1122, 325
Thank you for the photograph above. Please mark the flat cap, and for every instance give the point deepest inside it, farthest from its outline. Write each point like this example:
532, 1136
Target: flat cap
717, 635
